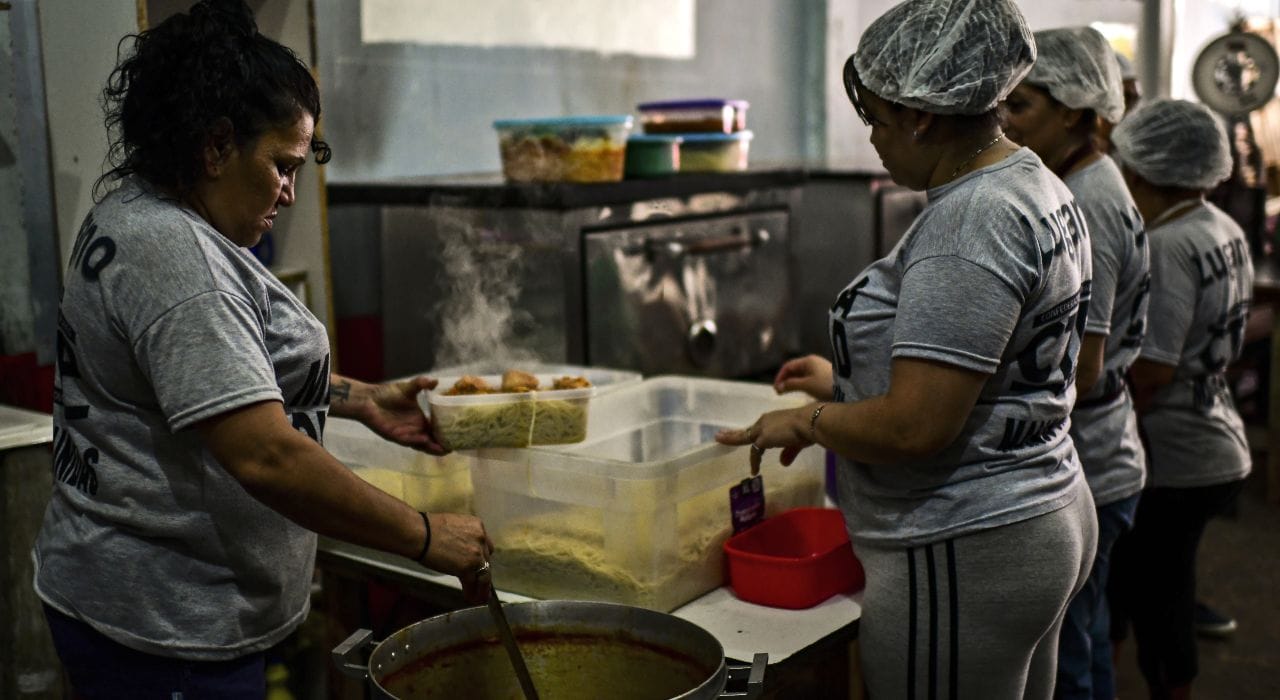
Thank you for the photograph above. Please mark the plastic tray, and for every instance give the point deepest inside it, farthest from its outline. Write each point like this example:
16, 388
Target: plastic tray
552, 417
638, 512
426, 482
794, 560
563, 149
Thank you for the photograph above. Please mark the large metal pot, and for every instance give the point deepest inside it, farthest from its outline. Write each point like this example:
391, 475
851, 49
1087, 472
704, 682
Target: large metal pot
574, 649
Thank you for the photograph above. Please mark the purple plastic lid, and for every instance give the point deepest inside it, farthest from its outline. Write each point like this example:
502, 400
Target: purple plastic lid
692, 104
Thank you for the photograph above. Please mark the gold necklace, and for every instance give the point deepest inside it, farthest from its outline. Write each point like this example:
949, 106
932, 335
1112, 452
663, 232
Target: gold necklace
976, 153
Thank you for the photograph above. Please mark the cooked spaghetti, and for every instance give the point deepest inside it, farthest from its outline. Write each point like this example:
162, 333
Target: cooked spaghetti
528, 419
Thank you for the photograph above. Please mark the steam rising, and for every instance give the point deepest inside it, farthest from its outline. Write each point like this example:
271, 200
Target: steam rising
477, 314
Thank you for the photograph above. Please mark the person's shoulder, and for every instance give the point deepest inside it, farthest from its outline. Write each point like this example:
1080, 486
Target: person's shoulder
156, 238
1223, 221
1019, 191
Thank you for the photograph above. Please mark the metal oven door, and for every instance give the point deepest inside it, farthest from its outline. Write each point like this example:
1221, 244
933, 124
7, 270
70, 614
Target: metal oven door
707, 296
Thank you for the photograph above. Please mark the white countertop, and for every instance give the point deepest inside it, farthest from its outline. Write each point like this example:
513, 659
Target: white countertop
742, 628
22, 428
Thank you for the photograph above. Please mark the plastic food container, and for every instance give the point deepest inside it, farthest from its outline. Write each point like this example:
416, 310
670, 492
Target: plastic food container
687, 116
603, 379
566, 149
551, 417
652, 155
714, 153
639, 511
794, 560
426, 482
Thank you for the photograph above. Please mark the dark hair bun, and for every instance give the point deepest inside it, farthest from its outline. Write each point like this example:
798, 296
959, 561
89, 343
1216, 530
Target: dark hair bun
227, 16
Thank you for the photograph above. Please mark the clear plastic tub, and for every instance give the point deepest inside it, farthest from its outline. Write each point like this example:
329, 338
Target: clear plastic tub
426, 482
714, 153
694, 116
637, 513
565, 149
551, 417
602, 378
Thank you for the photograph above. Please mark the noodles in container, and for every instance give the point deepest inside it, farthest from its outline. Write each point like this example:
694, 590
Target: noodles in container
563, 149
516, 409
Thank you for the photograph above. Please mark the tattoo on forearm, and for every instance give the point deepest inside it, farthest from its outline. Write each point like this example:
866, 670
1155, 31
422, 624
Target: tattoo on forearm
340, 391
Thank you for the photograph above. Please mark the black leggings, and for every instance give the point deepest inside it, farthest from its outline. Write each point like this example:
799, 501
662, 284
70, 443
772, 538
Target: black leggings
1153, 578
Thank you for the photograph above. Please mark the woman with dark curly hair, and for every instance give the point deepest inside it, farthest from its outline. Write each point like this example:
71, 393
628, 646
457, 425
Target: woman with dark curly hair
192, 387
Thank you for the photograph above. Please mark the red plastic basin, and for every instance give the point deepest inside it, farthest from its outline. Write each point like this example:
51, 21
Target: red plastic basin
795, 559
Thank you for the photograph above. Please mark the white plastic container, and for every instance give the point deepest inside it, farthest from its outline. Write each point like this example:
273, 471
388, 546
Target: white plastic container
715, 153
426, 482
551, 417
637, 513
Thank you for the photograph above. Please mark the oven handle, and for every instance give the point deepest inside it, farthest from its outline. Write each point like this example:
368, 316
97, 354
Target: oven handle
677, 249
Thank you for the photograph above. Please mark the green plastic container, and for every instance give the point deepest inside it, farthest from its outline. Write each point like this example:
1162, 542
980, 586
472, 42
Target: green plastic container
652, 155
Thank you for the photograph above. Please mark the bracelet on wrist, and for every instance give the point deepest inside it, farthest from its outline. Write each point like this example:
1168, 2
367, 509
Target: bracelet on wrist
813, 423
426, 543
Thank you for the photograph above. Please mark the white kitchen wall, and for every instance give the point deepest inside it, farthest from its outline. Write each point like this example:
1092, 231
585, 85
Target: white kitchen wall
78, 41
660, 28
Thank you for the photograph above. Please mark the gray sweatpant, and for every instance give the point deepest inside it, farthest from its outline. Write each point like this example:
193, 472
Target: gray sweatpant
975, 617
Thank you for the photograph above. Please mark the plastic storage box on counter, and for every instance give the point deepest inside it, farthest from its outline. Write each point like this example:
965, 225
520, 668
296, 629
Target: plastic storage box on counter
652, 155
509, 419
564, 149
794, 560
638, 512
602, 378
688, 116
714, 153
426, 482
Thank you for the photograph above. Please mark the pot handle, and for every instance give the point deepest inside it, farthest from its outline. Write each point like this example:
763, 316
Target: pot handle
347, 655
752, 676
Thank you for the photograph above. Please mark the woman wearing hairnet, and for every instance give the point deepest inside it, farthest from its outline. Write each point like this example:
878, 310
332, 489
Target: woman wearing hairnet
1171, 152
954, 361
1074, 82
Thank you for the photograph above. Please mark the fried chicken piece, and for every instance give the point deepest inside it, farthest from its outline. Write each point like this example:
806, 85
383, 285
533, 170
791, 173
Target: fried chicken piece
469, 385
515, 381
571, 383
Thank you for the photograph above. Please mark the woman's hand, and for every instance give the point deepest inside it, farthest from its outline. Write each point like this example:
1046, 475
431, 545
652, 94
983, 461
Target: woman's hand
811, 374
788, 429
390, 410
459, 547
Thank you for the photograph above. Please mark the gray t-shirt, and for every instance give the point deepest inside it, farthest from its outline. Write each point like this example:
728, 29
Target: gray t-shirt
1201, 285
163, 323
1103, 424
992, 277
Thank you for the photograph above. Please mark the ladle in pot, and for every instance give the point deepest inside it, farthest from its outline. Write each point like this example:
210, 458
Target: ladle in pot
485, 578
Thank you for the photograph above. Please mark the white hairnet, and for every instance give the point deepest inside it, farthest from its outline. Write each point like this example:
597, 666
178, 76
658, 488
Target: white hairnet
1174, 143
1127, 71
946, 56
1078, 68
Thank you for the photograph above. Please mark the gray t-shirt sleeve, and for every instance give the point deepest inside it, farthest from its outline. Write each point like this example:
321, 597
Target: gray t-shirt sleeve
206, 356
1106, 271
941, 293
1172, 303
